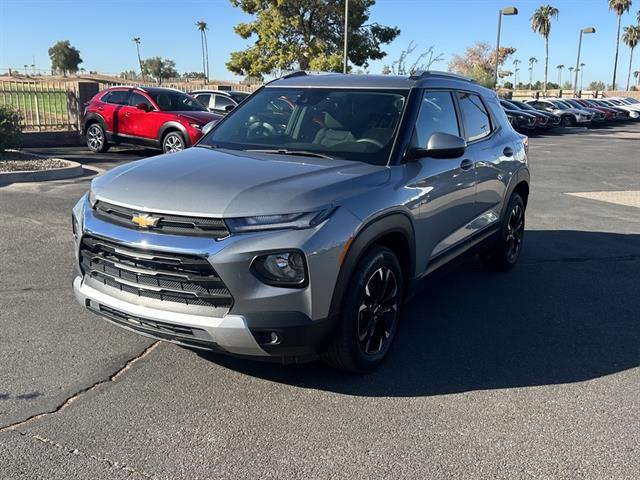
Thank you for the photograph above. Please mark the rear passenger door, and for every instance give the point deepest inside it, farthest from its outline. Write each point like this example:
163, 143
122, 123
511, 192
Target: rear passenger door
446, 186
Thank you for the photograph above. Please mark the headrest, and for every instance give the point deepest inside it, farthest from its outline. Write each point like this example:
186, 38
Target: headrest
331, 122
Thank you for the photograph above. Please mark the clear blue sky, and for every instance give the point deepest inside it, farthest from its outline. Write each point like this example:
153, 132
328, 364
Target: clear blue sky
102, 31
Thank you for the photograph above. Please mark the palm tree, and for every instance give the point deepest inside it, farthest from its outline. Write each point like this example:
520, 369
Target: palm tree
620, 7
560, 67
515, 72
541, 23
571, 69
636, 75
202, 27
532, 60
136, 40
631, 37
582, 65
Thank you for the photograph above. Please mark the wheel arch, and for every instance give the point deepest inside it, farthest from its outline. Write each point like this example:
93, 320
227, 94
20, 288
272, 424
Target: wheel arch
394, 231
90, 119
171, 126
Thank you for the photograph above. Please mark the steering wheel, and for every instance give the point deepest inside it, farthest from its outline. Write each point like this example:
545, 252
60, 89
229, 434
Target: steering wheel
260, 129
372, 141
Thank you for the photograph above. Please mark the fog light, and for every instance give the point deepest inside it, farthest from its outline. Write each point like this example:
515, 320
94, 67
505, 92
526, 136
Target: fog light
275, 339
283, 269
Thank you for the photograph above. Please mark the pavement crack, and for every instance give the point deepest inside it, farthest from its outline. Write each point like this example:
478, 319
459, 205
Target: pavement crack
100, 459
84, 391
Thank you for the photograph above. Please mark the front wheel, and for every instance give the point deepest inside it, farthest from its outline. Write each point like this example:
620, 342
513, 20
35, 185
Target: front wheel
505, 253
173, 142
568, 121
371, 311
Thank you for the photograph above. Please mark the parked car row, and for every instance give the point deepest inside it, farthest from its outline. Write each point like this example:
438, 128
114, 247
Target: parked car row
544, 113
154, 117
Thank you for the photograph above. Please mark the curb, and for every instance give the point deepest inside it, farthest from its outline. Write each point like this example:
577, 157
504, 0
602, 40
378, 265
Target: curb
73, 169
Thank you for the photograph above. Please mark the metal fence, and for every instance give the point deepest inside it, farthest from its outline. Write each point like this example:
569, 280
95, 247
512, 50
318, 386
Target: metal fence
49, 105
42, 105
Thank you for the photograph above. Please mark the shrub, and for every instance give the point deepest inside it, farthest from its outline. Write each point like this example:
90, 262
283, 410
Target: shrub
9, 127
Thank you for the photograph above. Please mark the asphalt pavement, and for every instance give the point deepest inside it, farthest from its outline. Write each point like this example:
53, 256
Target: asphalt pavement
530, 374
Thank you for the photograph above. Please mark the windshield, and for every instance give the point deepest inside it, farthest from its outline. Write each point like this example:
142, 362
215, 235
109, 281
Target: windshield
169, 101
561, 105
238, 96
350, 124
631, 100
522, 105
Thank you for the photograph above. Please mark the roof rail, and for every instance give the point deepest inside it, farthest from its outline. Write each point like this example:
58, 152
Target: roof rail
297, 73
422, 74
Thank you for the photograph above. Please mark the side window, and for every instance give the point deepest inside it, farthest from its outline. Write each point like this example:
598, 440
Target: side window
137, 98
437, 114
118, 97
222, 102
476, 120
203, 98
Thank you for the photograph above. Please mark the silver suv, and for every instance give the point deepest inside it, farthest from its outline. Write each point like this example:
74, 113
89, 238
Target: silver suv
298, 225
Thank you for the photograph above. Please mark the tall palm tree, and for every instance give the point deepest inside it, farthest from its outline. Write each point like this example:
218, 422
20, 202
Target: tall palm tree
631, 37
541, 23
515, 72
203, 27
560, 67
571, 69
532, 60
582, 65
636, 75
136, 40
620, 7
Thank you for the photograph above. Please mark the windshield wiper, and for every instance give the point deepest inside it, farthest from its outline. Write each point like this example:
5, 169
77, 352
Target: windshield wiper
284, 151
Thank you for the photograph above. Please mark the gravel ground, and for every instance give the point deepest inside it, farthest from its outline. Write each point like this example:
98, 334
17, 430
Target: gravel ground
19, 162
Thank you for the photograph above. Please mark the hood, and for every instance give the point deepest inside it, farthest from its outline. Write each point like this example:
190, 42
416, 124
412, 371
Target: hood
228, 183
200, 118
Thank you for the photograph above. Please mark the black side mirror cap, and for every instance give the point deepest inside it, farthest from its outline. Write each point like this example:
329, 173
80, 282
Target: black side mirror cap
441, 145
228, 108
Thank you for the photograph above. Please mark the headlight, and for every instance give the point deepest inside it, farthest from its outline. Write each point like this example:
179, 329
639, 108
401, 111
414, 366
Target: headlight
283, 269
196, 126
92, 198
295, 221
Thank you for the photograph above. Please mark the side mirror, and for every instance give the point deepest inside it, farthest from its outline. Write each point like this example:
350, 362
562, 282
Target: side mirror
143, 106
441, 145
228, 108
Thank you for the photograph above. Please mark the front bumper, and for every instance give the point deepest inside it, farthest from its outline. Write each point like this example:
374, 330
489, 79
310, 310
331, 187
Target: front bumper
300, 317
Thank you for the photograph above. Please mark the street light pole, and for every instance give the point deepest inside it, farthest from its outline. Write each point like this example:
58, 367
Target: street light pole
346, 30
504, 11
575, 81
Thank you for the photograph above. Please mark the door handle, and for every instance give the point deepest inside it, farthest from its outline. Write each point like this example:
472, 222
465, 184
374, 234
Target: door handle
466, 164
508, 152
126, 114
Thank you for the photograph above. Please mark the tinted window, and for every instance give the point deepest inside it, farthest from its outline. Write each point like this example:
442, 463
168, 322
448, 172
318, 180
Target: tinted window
437, 114
222, 102
170, 101
353, 124
203, 98
137, 98
476, 119
119, 97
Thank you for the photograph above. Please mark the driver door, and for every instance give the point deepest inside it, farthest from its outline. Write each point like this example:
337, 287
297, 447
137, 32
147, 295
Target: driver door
446, 186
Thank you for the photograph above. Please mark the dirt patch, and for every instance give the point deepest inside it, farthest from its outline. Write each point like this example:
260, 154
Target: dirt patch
20, 162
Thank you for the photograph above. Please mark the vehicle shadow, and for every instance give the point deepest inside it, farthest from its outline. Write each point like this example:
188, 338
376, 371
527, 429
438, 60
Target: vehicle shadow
569, 312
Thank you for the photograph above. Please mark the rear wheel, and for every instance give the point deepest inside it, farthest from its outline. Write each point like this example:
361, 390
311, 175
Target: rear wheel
505, 253
371, 311
96, 138
568, 121
173, 142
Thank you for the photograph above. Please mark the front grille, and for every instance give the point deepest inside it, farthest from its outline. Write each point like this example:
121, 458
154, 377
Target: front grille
195, 337
168, 277
172, 224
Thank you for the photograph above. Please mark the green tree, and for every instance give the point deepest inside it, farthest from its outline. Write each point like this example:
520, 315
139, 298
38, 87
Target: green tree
567, 85
64, 57
541, 23
620, 7
597, 85
307, 34
631, 37
202, 28
532, 62
478, 62
159, 68
136, 40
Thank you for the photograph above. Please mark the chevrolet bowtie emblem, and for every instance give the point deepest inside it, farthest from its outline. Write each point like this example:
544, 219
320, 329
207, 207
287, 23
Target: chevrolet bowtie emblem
144, 220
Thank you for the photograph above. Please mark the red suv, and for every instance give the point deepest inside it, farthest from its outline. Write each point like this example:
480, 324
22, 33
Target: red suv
151, 116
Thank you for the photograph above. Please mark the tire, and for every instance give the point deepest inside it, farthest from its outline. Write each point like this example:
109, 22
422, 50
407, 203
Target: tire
370, 313
97, 139
173, 142
568, 121
504, 254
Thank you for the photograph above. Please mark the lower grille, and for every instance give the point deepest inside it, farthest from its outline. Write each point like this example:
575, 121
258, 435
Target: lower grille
195, 337
169, 277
